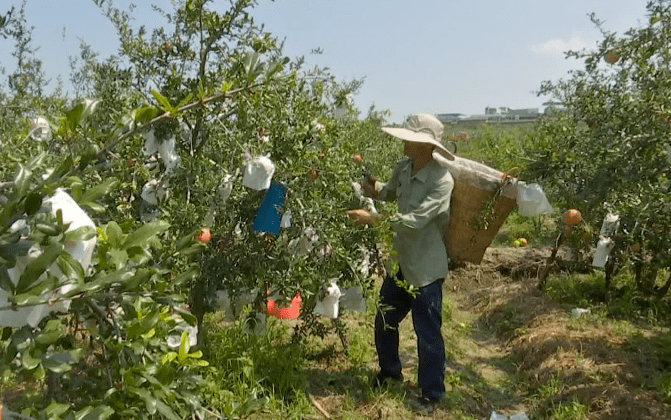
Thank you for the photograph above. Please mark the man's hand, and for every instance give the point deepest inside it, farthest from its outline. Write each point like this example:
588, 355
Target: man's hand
361, 216
368, 186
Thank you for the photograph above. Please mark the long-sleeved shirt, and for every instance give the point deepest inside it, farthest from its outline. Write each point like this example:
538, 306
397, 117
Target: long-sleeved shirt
424, 205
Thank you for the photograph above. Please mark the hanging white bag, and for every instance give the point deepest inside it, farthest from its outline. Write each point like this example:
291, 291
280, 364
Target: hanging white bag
168, 154
531, 200
40, 129
258, 173
286, 220
353, 299
226, 188
328, 306
603, 248
82, 251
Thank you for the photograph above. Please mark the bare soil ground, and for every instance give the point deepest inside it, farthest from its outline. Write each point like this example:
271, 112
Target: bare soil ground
511, 349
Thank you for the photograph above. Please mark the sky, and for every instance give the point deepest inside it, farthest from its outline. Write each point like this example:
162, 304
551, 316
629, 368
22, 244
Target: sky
433, 56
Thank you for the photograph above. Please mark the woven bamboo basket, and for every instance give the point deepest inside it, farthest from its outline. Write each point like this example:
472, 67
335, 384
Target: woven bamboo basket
482, 199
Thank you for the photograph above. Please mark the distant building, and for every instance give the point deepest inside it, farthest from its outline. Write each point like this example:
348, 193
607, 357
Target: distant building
501, 114
452, 118
553, 107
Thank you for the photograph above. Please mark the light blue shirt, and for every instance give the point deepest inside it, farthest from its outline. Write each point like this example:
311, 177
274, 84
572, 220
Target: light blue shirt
424, 208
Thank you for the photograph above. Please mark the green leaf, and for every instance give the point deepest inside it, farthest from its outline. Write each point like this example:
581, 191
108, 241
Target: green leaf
82, 233
163, 101
56, 409
37, 160
33, 203
38, 266
169, 357
74, 116
146, 113
87, 157
139, 255
147, 397
119, 258
187, 239
185, 276
142, 236
184, 347
114, 234
166, 411
61, 362
186, 100
251, 63
63, 168
103, 280
22, 179
29, 362
28, 299
70, 267
101, 412
95, 207
51, 333
5, 281
89, 108
187, 316
94, 193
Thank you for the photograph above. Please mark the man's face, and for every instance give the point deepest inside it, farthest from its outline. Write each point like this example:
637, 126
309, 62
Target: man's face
412, 148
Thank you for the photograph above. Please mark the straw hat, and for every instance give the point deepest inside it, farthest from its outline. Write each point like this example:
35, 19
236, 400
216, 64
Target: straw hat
422, 128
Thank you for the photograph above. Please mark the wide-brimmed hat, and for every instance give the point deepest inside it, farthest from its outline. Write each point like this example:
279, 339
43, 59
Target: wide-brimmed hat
422, 128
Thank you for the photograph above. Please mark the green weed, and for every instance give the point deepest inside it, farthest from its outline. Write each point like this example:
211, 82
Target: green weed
574, 410
248, 369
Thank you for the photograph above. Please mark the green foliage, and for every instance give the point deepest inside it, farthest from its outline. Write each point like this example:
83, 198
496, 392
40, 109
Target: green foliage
246, 370
616, 113
218, 87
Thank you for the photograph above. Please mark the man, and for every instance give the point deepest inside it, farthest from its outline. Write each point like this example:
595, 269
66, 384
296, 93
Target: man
423, 188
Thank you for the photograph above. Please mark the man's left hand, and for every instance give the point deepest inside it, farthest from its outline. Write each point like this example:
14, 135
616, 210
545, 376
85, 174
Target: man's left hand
361, 216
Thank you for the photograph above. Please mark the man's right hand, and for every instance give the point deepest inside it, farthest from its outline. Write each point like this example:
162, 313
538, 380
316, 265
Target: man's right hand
368, 186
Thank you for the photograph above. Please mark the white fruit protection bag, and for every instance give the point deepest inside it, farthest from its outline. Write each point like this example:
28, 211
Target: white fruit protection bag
82, 251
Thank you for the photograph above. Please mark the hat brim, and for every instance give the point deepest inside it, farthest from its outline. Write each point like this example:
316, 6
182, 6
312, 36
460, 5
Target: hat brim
418, 137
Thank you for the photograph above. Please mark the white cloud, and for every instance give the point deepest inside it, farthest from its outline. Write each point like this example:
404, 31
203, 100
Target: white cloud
556, 48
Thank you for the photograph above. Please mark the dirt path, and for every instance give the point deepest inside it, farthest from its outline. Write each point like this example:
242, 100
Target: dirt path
512, 349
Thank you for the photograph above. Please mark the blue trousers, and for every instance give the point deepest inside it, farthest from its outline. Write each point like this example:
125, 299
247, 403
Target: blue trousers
426, 307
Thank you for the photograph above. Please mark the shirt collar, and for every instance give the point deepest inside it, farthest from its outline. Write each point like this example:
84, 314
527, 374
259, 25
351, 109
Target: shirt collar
423, 173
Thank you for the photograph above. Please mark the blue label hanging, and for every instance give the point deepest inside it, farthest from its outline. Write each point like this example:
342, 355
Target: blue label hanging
270, 213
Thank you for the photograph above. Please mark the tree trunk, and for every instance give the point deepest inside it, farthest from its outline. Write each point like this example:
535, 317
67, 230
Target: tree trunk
665, 289
611, 270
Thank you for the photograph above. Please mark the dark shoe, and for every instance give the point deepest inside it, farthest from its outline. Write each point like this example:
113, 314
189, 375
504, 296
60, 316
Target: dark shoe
380, 380
425, 406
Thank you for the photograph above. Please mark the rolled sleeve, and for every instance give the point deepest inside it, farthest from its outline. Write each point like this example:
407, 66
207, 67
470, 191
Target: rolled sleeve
387, 191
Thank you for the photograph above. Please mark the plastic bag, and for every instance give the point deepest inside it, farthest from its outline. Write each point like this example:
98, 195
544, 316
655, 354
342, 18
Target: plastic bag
367, 202
610, 225
286, 220
603, 248
258, 173
328, 306
518, 416
175, 340
82, 251
353, 299
40, 130
255, 323
154, 191
168, 154
305, 243
226, 188
531, 200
